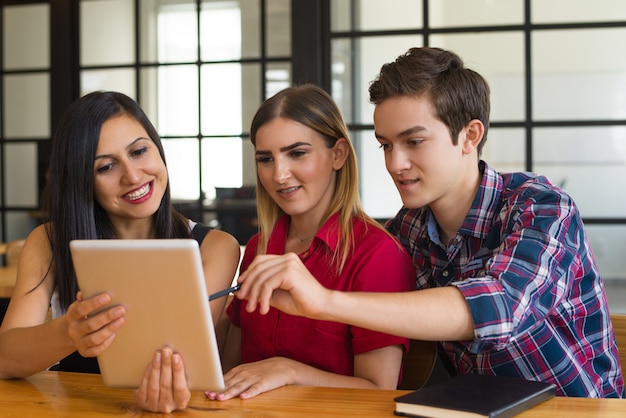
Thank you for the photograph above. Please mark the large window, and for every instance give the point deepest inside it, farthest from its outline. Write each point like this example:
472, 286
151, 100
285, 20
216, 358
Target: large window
25, 118
199, 69
558, 91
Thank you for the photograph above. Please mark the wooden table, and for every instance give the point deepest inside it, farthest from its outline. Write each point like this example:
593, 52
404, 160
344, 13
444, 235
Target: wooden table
62, 394
8, 275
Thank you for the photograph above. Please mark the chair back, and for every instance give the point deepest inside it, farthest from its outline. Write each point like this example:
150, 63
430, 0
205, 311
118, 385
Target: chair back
418, 364
11, 251
619, 329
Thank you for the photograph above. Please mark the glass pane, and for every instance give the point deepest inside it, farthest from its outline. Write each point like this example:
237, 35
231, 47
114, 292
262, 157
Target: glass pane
278, 28
26, 36
380, 197
448, 13
558, 11
340, 15
107, 32
505, 74
119, 79
567, 86
26, 104
251, 30
609, 246
369, 55
374, 15
148, 89
590, 163
249, 163
177, 100
505, 149
277, 77
220, 31
19, 224
342, 74
183, 167
21, 163
252, 93
221, 164
221, 99
169, 32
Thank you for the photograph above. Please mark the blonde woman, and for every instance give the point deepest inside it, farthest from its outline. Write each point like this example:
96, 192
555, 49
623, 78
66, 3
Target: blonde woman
311, 223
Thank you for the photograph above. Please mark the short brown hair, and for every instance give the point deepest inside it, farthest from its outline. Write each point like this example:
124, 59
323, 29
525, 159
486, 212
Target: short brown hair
458, 94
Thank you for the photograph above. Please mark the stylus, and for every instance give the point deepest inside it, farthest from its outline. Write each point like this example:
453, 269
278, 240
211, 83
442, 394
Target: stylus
224, 292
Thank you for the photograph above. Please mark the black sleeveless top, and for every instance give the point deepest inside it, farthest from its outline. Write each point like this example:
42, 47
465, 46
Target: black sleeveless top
77, 363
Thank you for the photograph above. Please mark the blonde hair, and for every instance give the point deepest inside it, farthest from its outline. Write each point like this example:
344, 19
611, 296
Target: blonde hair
312, 107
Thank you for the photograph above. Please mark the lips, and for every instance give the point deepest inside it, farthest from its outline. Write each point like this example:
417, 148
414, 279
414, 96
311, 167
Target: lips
289, 190
406, 182
138, 193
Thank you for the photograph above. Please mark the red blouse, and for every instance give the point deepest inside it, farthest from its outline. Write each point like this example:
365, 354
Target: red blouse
378, 264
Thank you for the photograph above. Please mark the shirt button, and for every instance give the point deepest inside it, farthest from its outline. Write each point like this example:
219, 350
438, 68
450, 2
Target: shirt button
445, 273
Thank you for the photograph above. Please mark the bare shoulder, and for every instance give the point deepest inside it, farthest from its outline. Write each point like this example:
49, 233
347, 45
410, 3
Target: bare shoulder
37, 246
220, 242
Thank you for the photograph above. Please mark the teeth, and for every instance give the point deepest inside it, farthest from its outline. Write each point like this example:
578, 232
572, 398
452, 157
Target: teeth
137, 194
289, 190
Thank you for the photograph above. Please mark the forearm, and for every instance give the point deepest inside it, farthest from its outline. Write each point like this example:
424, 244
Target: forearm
28, 350
304, 375
440, 314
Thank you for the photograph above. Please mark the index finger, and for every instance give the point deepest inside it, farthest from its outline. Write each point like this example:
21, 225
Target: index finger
84, 307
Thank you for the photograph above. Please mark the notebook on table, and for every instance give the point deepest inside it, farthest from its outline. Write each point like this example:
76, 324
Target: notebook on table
161, 283
473, 396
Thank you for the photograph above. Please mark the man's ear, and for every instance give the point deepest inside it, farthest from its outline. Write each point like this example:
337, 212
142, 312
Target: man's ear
471, 135
340, 153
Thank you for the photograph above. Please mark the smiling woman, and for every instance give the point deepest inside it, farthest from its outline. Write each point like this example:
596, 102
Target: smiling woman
107, 180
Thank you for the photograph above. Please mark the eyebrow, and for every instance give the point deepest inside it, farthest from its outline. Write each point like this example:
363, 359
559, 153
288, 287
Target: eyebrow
284, 149
129, 145
406, 132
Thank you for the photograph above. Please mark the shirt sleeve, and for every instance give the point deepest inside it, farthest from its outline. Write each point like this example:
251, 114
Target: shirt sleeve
530, 272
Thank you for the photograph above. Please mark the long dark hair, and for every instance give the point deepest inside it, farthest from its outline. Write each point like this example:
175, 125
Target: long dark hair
69, 199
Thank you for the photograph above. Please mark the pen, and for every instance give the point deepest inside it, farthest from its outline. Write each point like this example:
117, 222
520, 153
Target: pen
224, 292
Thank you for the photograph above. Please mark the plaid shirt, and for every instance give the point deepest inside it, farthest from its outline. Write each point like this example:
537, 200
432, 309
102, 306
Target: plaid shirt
524, 264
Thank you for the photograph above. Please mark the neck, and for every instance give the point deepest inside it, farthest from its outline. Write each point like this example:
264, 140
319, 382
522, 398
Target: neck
301, 232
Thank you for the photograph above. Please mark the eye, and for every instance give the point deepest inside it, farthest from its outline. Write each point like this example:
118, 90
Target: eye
414, 141
139, 151
384, 147
297, 153
263, 159
105, 168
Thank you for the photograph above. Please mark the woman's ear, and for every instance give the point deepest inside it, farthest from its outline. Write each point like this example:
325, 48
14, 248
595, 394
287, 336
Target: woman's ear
472, 135
340, 153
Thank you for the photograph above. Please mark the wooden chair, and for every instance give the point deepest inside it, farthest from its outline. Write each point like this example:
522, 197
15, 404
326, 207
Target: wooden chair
11, 251
619, 328
418, 364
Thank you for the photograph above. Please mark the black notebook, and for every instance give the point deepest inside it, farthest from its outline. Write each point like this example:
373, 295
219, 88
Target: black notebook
474, 395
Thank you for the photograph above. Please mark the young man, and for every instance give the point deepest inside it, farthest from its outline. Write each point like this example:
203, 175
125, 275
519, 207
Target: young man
505, 275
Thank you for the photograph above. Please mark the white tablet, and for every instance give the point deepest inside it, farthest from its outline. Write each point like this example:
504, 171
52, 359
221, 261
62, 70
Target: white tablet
161, 283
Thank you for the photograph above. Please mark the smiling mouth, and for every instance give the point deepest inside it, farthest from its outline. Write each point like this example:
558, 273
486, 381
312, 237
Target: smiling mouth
289, 190
406, 182
139, 193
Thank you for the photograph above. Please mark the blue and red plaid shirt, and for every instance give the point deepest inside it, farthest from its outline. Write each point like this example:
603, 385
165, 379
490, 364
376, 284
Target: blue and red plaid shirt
524, 264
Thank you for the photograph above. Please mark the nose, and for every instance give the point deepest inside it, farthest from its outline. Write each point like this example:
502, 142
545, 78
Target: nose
282, 171
131, 173
396, 161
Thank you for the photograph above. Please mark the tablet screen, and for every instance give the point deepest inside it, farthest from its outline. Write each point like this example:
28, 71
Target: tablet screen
161, 283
